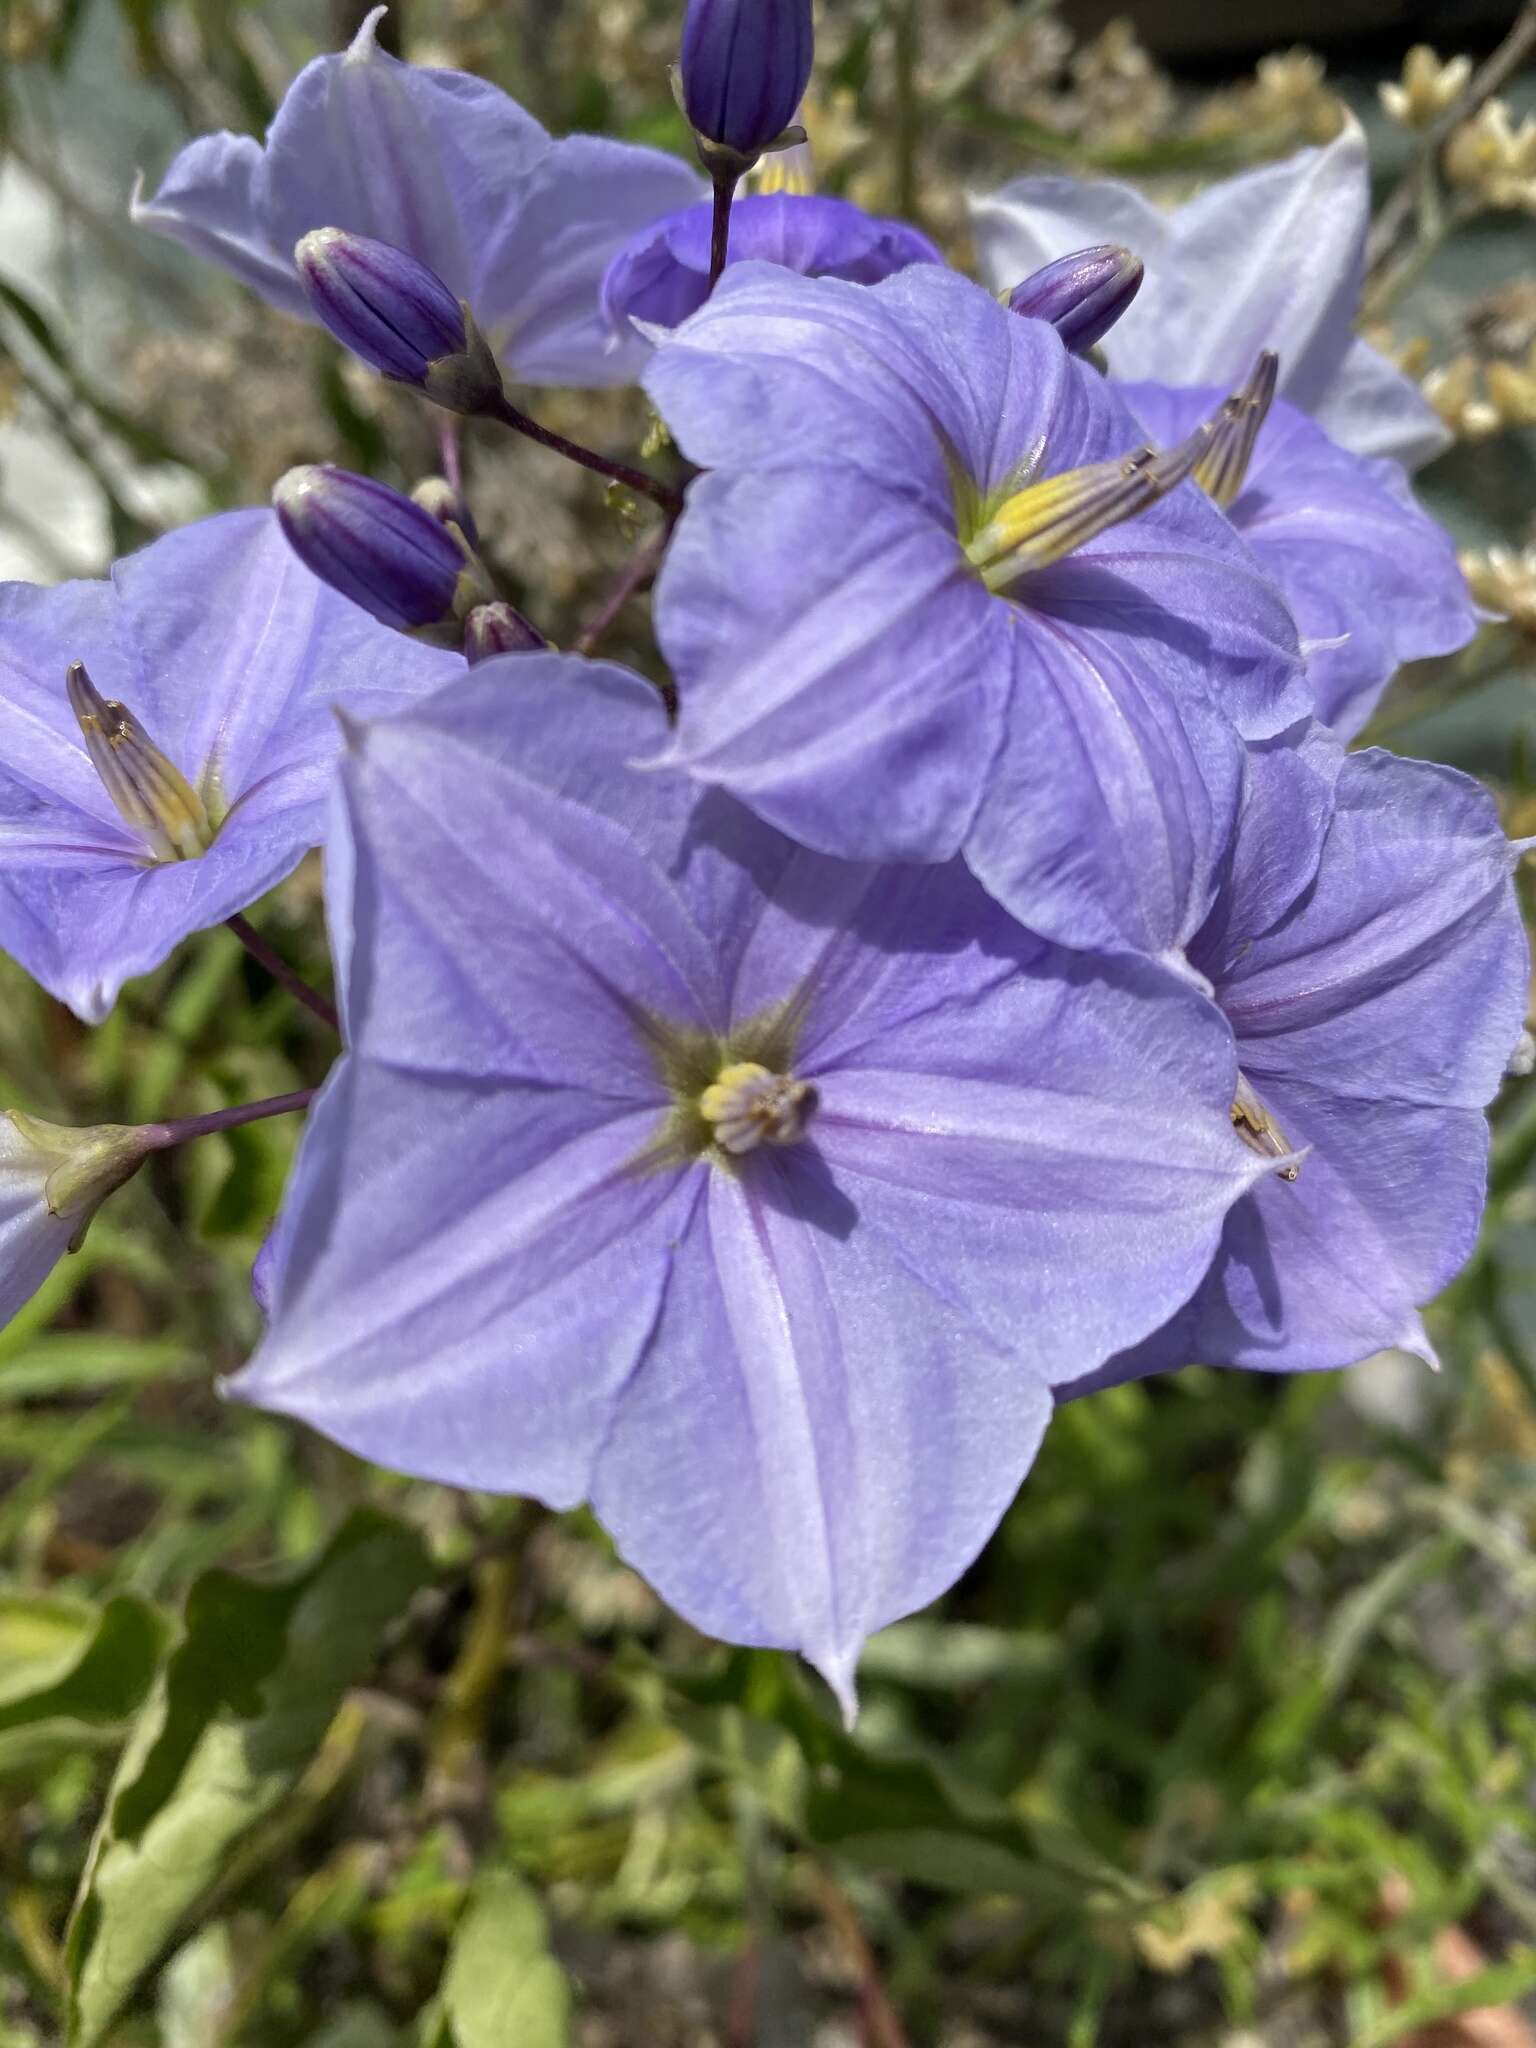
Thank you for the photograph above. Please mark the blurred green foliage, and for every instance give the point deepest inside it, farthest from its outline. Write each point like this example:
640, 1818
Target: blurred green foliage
1230, 1730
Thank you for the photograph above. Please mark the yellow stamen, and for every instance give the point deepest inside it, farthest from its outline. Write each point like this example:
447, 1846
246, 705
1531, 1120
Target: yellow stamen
1258, 1129
750, 1106
1049, 519
1233, 430
150, 791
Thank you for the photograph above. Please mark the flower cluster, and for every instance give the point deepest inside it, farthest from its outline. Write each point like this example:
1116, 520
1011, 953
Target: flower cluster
979, 976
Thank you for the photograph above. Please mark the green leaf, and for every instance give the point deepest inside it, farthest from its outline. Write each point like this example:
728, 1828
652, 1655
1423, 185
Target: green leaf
502, 1984
70, 1676
241, 1708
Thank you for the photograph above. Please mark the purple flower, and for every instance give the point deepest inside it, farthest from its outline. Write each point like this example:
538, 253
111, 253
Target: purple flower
866, 649
379, 302
745, 65
1372, 581
446, 167
1272, 259
1081, 295
183, 769
756, 1197
1374, 980
662, 275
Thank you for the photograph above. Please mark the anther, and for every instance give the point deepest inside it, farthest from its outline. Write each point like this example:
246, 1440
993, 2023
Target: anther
749, 1106
150, 791
1258, 1129
1048, 520
1233, 429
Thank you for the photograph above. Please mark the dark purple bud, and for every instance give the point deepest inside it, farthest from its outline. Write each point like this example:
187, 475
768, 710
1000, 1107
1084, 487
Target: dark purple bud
745, 65
374, 546
499, 628
1082, 295
398, 316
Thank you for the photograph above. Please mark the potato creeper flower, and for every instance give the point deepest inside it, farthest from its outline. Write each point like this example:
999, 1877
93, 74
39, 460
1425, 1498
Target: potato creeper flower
937, 594
167, 742
755, 1197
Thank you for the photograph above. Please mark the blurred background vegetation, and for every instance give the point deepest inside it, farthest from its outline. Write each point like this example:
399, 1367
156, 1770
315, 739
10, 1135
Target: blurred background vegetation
1229, 1738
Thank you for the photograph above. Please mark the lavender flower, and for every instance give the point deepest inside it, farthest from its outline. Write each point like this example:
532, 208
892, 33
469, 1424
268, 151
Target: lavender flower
385, 552
1371, 580
756, 1197
183, 770
1274, 259
662, 274
1081, 295
1373, 976
745, 65
446, 167
53, 1179
904, 621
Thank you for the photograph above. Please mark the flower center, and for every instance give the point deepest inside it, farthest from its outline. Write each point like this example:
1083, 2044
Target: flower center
152, 795
746, 1106
1258, 1129
1234, 429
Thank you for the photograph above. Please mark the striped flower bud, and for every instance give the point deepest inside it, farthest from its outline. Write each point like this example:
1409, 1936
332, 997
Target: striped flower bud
745, 65
1082, 295
398, 316
376, 547
499, 628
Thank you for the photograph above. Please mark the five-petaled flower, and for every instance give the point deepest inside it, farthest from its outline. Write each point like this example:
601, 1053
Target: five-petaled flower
758, 1197
167, 744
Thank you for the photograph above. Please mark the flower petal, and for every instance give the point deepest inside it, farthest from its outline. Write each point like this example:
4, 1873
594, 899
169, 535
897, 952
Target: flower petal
465, 1276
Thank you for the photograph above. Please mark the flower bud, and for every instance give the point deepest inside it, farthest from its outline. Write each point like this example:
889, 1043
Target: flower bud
52, 1181
436, 495
1082, 295
493, 629
376, 547
745, 65
398, 316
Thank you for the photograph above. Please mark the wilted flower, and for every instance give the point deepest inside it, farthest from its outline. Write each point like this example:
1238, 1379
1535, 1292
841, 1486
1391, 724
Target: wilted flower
1493, 159
446, 167
1373, 975
756, 1197
182, 769
1372, 581
1427, 87
1274, 259
1504, 579
937, 604
663, 274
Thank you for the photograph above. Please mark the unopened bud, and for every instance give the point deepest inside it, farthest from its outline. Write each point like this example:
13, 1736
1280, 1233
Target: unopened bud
745, 66
376, 547
53, 1179
399, 316
436, 495
493, 629
1082, 295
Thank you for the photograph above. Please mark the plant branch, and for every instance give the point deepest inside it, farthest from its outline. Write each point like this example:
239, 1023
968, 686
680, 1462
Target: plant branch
631, 580
179, 1130
633, 479
1393, 218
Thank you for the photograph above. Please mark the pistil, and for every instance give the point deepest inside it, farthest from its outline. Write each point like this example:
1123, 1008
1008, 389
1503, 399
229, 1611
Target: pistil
152, 795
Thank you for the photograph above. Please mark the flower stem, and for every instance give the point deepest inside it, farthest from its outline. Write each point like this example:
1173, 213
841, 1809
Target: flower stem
720, 223
286, 976
631, 580
157, 1137
603, 465
1392, 220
